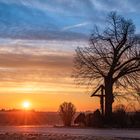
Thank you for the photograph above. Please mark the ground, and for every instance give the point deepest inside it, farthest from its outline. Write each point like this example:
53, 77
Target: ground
46, 133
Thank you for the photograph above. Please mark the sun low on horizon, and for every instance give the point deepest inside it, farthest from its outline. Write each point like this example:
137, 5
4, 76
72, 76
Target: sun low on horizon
26, 105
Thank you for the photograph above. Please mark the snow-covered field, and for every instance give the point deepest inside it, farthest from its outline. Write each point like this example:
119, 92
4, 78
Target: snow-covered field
46, 133
17, 136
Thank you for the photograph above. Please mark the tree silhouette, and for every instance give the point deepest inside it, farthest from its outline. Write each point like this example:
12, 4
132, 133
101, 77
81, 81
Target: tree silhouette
67, 112
112, 59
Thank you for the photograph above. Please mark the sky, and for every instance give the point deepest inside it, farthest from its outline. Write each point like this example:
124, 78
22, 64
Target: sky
37, 43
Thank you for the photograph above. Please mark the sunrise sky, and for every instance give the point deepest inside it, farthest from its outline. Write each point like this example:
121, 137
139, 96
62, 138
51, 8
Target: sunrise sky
37, 43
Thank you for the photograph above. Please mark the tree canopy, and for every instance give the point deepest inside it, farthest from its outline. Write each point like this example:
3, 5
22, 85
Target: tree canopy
112, 59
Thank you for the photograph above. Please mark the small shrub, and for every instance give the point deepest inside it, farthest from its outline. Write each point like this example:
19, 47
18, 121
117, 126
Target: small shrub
97, 119
136, 119
120, 117
89, 120
67, 112
81, 119
94, 119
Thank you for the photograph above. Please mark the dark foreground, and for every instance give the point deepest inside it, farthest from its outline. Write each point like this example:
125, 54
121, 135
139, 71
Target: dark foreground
46, 133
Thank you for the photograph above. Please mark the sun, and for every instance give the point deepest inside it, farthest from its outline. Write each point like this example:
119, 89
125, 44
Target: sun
26, 104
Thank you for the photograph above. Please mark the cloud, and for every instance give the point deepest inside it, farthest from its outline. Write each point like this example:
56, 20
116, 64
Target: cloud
39, 47
29, 60
126, 6
39, 68
76, 26
40, 20
59, 19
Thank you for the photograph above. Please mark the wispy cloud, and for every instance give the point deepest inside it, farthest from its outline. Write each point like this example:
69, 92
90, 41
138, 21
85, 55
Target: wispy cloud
117, 5
36, 58
59, 19
76, 26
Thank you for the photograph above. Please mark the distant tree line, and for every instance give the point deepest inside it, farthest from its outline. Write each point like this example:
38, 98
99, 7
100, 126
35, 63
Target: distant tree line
19, 117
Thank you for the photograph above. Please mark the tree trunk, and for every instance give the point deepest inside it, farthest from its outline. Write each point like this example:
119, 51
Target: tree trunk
109, 99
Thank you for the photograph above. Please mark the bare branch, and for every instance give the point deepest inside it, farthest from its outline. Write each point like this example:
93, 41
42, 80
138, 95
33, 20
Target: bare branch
113, 54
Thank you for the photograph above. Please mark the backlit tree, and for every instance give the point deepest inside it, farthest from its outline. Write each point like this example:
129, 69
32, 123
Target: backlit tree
112, 59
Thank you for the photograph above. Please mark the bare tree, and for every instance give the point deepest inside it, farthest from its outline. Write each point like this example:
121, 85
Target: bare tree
67, 112
112, 59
